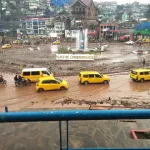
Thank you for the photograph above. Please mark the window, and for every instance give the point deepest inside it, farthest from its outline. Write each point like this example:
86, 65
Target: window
141, 73
53, 82
35, 27
85, 76
146, 73
45, 72
97, 76
26, 73
35, 73
133, 72
80, 75
59, 80
91, 75
34, 23
46, 82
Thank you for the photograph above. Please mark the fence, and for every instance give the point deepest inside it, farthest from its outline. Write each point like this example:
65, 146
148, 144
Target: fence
74, 115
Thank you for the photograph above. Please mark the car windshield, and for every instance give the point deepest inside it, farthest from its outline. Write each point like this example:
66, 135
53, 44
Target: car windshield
101, 75
58, 79
134, 72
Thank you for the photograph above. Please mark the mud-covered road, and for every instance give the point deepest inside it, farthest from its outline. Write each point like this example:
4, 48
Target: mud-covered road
118, 58
121, 91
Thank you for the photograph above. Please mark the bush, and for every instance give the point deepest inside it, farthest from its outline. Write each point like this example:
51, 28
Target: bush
63, 51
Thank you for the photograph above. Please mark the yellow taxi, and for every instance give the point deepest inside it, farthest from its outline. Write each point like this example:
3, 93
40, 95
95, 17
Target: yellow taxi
16, 42
51, 83
147, 40
87, 77
140, 75
6, 46
57, 42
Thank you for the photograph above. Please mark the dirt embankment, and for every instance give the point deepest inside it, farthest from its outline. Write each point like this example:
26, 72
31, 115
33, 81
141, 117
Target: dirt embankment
117, 58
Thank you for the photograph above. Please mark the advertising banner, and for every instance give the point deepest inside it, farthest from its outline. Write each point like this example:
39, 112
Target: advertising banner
74, 57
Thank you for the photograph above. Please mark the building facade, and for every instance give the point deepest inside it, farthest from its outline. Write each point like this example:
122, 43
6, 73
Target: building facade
35, 26
85, 12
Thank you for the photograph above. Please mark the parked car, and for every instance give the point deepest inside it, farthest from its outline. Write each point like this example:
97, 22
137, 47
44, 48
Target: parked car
34, 48
51, 83
57, 42
129, 43
25, 42
16, 42
6, 46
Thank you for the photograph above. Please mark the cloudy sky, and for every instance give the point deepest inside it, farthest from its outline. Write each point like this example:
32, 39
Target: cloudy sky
125, 1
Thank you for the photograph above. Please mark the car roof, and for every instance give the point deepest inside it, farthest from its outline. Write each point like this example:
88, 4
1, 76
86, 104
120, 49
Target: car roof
47, 78
142, 69
34, 69
88, 72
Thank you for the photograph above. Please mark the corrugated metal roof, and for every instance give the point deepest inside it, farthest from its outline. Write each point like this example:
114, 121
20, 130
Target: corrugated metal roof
86, 2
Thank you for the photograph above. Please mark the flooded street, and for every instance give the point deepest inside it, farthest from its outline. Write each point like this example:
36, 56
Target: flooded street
117, 61
82, 134
121, 87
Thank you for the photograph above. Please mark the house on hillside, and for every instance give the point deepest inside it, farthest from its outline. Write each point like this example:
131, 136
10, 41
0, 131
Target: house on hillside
85, 13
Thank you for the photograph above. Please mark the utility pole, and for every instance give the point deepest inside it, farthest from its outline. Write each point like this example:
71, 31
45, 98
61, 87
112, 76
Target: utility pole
99, 23
1, 11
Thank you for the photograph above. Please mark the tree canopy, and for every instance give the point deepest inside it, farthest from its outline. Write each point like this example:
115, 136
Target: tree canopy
147, 14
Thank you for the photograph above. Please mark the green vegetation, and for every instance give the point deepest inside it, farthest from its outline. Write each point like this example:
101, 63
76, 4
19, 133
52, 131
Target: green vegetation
64, 51
147, 14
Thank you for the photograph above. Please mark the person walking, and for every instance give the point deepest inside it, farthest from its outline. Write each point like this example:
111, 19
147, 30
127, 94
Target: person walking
143, 63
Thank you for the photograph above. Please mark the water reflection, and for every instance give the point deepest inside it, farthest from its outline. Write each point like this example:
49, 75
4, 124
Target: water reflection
140, 87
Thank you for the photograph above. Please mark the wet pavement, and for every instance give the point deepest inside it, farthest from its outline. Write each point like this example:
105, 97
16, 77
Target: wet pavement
45, 135
82, 134
121, 87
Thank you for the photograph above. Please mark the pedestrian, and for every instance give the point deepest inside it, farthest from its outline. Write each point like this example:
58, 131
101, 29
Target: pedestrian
143, 63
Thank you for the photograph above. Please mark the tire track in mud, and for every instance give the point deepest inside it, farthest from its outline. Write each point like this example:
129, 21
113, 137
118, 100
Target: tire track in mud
25, 98
28, 99
68, 94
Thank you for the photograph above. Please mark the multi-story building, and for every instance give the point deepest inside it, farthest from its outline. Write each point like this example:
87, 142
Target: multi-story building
35, 8
85, 12
35, 26
108, 27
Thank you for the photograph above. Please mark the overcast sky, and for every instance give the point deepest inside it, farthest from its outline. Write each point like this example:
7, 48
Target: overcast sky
125, 1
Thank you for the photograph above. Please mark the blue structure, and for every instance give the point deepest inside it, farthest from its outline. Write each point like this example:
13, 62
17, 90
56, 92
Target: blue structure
69, 115
35, 25
143, 28
60, 3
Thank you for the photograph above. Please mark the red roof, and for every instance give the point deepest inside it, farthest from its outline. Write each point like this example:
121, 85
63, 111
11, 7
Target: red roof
86, 2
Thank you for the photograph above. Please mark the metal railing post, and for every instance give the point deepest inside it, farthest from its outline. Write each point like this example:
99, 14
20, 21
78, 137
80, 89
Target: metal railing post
6, 109
60, 134
67, 135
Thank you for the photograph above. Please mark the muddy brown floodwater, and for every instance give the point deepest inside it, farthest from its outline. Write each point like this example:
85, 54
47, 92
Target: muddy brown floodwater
121, 91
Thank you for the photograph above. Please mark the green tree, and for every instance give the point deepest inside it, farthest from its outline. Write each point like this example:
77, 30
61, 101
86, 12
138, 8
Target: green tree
91, 27
147, 14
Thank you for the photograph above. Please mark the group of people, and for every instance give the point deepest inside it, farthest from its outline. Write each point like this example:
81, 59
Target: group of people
18, 78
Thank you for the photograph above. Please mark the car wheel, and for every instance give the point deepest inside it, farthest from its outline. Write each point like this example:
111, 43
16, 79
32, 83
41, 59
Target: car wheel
142, 80
105, 82
62, 88
86, 82
40, 90
4, 82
